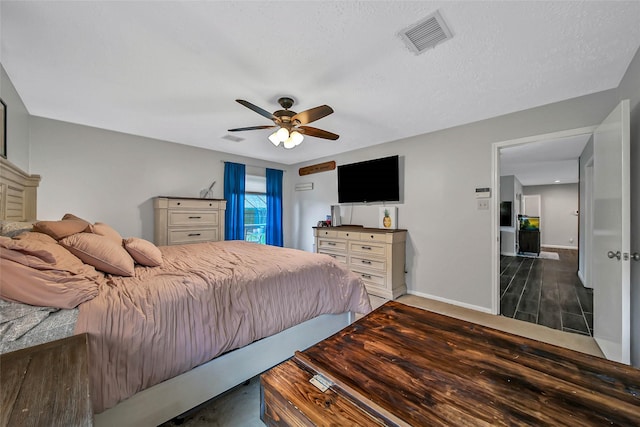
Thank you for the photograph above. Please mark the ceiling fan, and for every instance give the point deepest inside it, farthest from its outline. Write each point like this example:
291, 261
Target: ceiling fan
291, 124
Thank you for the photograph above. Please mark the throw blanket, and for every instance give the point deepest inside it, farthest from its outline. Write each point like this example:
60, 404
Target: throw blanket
206, 299
17, 319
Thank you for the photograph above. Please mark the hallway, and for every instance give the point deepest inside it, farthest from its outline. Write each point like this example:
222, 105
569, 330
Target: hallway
547, 292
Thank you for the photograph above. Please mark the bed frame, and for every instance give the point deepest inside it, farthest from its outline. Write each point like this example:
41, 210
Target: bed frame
164, 401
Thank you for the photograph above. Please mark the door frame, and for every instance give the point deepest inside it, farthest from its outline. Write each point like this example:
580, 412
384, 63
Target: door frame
495, 203
584, 274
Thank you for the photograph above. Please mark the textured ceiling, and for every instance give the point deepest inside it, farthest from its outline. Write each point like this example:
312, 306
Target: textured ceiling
172, 70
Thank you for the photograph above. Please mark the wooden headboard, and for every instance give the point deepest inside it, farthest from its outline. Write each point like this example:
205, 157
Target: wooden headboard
18, 193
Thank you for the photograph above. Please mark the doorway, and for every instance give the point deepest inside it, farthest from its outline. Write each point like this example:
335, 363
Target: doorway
539, 284
496, 168
611, 227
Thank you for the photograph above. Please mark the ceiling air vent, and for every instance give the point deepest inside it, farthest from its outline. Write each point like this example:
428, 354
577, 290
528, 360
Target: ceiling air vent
426, 33
232, 138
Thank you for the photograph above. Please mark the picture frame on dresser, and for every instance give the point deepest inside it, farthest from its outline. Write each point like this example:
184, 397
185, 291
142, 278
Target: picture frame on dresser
3, 129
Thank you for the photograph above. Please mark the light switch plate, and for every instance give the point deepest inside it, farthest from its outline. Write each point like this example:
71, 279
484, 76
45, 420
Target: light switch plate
483, 204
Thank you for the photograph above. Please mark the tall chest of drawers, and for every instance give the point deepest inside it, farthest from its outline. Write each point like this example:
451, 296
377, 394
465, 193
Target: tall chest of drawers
376, 255
179, 220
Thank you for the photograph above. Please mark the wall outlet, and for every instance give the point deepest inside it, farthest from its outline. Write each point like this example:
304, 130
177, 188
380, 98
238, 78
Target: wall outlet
483, 204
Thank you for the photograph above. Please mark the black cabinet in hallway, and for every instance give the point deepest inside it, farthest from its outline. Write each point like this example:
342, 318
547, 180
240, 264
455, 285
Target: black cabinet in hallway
529, 241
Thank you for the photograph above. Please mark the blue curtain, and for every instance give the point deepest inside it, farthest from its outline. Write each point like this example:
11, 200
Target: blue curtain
234, 174
274, 207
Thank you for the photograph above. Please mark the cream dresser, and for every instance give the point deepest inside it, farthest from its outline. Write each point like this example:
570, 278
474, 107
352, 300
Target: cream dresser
376, 255
181, 220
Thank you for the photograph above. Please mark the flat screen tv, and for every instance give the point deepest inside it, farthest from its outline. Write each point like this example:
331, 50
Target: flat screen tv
505, 214
375, 180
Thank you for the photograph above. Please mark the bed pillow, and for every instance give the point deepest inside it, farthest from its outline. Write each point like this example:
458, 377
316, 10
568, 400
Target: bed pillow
102, 253
63, 228
104, 230
42, 252
143, 252
46, 288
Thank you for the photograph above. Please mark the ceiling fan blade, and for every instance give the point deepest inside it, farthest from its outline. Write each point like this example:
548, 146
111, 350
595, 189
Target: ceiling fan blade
319, 133
257, 109
313, 114
251, 128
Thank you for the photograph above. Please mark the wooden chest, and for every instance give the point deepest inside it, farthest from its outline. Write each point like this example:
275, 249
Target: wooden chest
402, 366
47, 385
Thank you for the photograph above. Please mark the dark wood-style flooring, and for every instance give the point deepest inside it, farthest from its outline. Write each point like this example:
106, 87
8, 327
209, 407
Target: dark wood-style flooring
547, 292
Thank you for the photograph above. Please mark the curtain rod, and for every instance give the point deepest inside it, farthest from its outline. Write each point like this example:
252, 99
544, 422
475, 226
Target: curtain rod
253, 166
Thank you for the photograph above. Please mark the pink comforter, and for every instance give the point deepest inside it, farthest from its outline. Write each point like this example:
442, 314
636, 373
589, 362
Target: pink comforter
205, 300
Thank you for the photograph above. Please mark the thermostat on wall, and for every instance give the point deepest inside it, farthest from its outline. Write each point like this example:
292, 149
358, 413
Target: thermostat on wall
483, 193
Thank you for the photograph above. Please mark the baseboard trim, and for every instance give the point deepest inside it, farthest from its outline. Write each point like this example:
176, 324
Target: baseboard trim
581, 277
452, 302
508, 254
582, 280
559, 247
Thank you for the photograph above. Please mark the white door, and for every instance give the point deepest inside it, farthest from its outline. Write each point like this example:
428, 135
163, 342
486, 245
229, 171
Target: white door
611, 235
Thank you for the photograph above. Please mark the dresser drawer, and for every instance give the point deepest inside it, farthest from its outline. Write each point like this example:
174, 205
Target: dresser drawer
192, 203
357, 262
338, 257
374, 249
327, 233
371, 279
332, 245
178, 237
182, 218
351, 235
373, 237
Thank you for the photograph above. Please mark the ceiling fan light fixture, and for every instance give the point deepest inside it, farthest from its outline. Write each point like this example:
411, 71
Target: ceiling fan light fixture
283, 134
288, 143
274, 138
296, 137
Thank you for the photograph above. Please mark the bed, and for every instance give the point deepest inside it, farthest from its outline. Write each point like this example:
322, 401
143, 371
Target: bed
173, 335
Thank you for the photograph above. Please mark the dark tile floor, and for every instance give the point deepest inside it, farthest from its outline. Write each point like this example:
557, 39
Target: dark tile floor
547, 292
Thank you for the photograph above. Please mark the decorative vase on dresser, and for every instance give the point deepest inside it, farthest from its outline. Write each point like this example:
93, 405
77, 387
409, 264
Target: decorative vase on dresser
180, 220
376, 255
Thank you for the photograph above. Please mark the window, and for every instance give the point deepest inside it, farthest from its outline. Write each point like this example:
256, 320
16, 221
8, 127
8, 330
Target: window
255, 209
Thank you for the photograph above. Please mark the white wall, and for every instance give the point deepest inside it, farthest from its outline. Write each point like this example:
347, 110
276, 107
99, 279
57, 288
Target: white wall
510, 191
559, 215
113, 177
17, 123
441, 171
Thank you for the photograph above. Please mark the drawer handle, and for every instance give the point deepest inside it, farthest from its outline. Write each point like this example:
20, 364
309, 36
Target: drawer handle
366, 261
331, 243
195, 217
193, 234
178, 203
368, 248
365, 276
